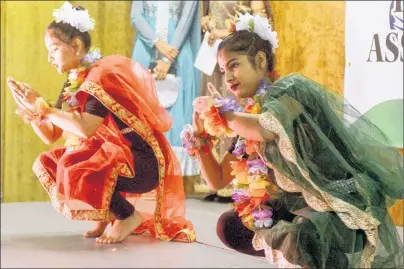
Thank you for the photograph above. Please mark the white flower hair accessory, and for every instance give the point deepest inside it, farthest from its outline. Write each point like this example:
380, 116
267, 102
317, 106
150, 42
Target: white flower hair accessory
258, 25
79, 19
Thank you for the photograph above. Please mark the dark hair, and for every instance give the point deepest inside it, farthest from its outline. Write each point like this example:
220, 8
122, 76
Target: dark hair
247, 43
66, 33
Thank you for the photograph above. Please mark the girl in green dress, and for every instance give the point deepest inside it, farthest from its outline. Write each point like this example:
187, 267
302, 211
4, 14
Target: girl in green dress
312, 189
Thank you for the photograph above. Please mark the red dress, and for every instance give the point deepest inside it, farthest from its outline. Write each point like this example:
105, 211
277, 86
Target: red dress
81, 176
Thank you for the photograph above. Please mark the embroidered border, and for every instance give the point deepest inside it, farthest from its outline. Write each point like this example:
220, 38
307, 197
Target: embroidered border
146, 133
353, 217
121, 169
50, 187
273, 256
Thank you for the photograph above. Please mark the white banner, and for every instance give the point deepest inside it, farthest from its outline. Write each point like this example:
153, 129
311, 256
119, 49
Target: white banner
374, 63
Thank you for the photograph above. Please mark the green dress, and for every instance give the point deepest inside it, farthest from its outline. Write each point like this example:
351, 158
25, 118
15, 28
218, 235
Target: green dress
338, 180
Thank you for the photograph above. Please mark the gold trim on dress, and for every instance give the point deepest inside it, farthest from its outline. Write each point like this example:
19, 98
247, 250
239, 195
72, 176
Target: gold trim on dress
82, 214
127, 130
121, 169
147, 135
353, 217
273, 256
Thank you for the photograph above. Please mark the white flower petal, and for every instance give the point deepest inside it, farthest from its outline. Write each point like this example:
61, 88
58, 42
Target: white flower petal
261, 28
79, 19
243, 22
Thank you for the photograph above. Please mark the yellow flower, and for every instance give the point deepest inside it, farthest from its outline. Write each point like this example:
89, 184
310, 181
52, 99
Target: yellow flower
242, 178
248, 221
256, 109
247, 218
257, 178
259, 185
256, 192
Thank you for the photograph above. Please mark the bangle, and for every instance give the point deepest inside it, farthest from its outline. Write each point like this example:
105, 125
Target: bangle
165, 59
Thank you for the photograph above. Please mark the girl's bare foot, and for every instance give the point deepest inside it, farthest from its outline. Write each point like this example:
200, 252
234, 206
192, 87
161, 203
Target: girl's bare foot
121, 229
98, 230
100, 227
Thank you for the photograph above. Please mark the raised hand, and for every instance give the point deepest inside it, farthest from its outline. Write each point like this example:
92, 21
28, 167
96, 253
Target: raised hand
23, 94
213, 92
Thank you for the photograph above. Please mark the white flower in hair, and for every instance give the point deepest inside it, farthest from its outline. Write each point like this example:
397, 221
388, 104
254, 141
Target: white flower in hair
244, 22
258, 25
79, 19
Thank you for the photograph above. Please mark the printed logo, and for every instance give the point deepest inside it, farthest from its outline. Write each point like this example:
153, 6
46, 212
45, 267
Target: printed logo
388, 47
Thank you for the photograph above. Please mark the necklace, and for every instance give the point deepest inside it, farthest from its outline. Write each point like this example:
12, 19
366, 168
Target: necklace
252, 181
76, 77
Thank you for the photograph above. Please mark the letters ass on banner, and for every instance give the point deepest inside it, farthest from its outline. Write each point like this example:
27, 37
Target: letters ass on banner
374, 63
